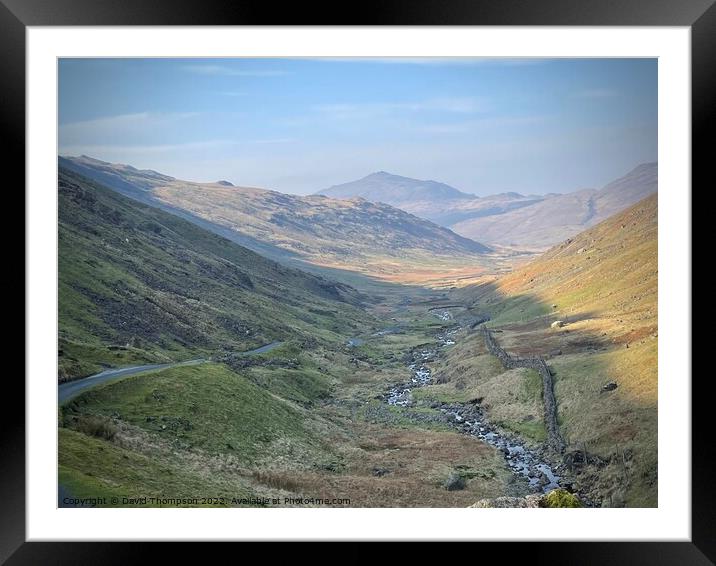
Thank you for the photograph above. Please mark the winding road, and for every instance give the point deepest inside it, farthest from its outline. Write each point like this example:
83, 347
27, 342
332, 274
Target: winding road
70, 389
67, 391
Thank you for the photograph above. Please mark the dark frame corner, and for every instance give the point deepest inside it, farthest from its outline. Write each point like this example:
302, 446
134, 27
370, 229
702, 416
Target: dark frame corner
700, 15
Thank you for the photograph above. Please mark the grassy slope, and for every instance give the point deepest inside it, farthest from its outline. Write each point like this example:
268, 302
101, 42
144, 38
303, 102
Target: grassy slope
208, 430
138, 284
603, 283
182, 432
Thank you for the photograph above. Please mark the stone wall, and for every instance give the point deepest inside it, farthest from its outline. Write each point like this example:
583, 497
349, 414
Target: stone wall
477, 321
554, 437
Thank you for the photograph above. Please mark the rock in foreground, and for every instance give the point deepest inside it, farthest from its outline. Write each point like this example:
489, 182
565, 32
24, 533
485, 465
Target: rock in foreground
555, 498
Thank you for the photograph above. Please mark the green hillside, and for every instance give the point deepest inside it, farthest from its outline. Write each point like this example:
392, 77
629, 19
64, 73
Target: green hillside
138, 284
181, 432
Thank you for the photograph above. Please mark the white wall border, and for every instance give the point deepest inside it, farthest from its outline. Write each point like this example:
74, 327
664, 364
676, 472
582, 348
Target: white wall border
670, 521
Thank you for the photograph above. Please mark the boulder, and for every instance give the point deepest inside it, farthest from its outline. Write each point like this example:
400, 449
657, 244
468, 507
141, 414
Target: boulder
557, 324
454, 482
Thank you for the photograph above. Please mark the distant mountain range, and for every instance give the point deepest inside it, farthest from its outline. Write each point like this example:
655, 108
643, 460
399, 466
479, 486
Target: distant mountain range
354, 234
553, 219
431, 200
378, 223
508, 219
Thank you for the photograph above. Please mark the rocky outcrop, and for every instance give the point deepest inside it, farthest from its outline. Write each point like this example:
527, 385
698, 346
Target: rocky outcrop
557, 498
554, 437
528, 501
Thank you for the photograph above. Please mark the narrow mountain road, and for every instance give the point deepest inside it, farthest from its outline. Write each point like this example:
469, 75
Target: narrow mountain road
67, 391
262, 349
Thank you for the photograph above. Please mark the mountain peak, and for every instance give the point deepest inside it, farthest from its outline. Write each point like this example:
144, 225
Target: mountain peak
383, 175
395, 190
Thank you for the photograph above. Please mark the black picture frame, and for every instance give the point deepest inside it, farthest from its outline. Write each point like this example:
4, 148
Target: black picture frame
699, 15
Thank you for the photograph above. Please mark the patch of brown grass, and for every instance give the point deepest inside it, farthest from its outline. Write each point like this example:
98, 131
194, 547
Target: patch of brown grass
415, 463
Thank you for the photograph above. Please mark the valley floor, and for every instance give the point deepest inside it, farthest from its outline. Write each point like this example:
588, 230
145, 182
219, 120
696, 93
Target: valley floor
355, 424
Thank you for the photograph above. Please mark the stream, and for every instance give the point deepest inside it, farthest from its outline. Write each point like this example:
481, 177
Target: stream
468, 418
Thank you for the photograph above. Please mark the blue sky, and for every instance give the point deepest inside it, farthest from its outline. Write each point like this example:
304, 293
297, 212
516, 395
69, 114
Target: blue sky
301, 125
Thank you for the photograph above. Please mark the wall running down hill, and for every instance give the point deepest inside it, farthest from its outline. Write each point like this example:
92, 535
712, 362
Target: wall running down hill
554, 437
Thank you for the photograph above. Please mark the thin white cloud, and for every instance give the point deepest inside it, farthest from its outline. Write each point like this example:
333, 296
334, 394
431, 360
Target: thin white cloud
457, 105
479, 124
460, 105
294, 121
104, 149
443, 128
223, 70
119, 120
121, 129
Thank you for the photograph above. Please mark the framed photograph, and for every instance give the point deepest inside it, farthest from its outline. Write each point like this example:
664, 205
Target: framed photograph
419, 275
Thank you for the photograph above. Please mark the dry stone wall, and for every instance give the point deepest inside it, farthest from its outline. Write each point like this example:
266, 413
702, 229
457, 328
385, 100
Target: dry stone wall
554, 437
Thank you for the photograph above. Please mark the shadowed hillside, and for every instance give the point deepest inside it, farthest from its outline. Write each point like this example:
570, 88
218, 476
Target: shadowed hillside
138, 284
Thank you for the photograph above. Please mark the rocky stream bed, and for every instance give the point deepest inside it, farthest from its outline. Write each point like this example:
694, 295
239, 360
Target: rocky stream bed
467, 418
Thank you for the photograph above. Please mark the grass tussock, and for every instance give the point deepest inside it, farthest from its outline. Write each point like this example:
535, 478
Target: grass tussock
95, 425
